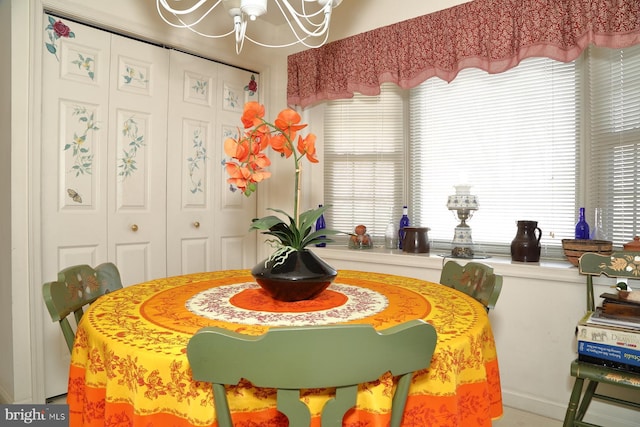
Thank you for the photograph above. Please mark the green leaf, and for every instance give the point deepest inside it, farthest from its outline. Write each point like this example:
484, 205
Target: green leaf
265, 223
319, 236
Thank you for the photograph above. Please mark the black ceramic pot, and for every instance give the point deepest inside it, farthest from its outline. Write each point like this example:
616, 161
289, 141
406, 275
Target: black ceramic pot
304, 275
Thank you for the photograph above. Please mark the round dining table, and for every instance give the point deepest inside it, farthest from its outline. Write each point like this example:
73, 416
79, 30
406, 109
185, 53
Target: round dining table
129, 364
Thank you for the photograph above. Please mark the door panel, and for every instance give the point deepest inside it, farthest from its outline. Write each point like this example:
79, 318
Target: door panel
192, 92
75, 97
137, 159
235, 245
202, 93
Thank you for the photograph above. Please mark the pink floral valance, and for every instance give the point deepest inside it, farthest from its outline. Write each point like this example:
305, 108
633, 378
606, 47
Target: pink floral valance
494, 35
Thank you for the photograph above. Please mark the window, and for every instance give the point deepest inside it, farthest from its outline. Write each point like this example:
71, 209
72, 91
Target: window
536, 143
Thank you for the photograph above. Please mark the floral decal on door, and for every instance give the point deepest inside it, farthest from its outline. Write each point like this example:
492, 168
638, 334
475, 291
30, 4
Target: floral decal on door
55, 30
82, 156
127, 163
85, 63
231, 98
200, 87
252, 86
134, 76
199, 157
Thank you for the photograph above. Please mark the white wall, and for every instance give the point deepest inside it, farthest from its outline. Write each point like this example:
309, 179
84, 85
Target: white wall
6, 357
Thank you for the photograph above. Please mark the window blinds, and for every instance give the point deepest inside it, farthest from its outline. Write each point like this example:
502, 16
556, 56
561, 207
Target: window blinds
512, 136
614, 125
364, 161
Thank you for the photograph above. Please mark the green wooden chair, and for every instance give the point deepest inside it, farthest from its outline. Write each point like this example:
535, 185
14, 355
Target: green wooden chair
616, 265
474, 279
293, 358
76, 287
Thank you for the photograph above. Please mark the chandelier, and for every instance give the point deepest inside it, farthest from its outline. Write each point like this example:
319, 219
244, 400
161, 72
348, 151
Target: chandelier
309, 22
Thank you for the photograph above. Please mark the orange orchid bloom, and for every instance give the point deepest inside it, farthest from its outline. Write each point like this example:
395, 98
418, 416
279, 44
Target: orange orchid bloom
253, 114
287, 121
280, 144
239, 150
260, 136
307, 146
247, 154
238, 175
259, 176
259, 162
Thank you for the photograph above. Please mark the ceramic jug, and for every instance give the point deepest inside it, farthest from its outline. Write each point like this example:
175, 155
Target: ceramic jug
526, 245
416, 240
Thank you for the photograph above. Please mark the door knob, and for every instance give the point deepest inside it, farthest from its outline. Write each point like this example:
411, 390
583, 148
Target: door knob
196, 224
134, 227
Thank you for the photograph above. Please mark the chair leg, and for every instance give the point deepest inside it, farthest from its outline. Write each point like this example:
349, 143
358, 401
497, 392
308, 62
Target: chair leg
570, 416
586, 399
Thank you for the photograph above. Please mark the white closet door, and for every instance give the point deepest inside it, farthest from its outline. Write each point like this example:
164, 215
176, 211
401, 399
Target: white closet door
75, 99
137, 159
109, 193
192, 96
207, 223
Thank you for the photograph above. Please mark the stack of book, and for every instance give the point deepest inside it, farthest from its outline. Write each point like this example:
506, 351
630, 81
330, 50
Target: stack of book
610, 336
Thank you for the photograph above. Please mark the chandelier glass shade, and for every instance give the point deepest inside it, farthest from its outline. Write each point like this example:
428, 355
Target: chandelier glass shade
308, 20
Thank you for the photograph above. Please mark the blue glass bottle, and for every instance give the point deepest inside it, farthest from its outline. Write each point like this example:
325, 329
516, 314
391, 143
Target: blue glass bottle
582, 228
404, 222
321, 225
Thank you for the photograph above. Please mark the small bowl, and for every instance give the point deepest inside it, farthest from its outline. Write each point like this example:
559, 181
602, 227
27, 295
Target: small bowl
574, 248
633, 245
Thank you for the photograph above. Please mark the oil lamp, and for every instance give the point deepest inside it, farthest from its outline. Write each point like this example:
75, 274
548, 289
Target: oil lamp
462, 205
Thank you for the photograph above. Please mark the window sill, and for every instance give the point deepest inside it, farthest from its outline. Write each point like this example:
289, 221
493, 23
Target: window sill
379, 257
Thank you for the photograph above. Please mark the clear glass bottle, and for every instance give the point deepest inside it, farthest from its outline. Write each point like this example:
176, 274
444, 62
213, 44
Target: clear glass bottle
582, 228
391, 236
597, 231
404, 222
321, 225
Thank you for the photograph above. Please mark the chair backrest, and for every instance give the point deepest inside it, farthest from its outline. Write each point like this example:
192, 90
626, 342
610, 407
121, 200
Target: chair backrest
76, 287
293, 358
616, 265
474, 279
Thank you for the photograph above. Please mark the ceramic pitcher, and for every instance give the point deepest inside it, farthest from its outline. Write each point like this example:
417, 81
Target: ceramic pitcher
526, 245
416, 240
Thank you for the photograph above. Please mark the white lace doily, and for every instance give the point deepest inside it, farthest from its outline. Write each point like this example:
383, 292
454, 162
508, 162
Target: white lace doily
215, 304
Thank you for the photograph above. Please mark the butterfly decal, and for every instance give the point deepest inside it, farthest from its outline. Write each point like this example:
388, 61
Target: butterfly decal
74, 195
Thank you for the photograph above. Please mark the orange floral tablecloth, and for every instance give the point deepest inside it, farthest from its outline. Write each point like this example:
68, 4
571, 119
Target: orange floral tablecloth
129, 365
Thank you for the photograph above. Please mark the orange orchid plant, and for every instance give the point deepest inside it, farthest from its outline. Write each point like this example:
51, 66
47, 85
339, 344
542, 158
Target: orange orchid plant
247, 167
